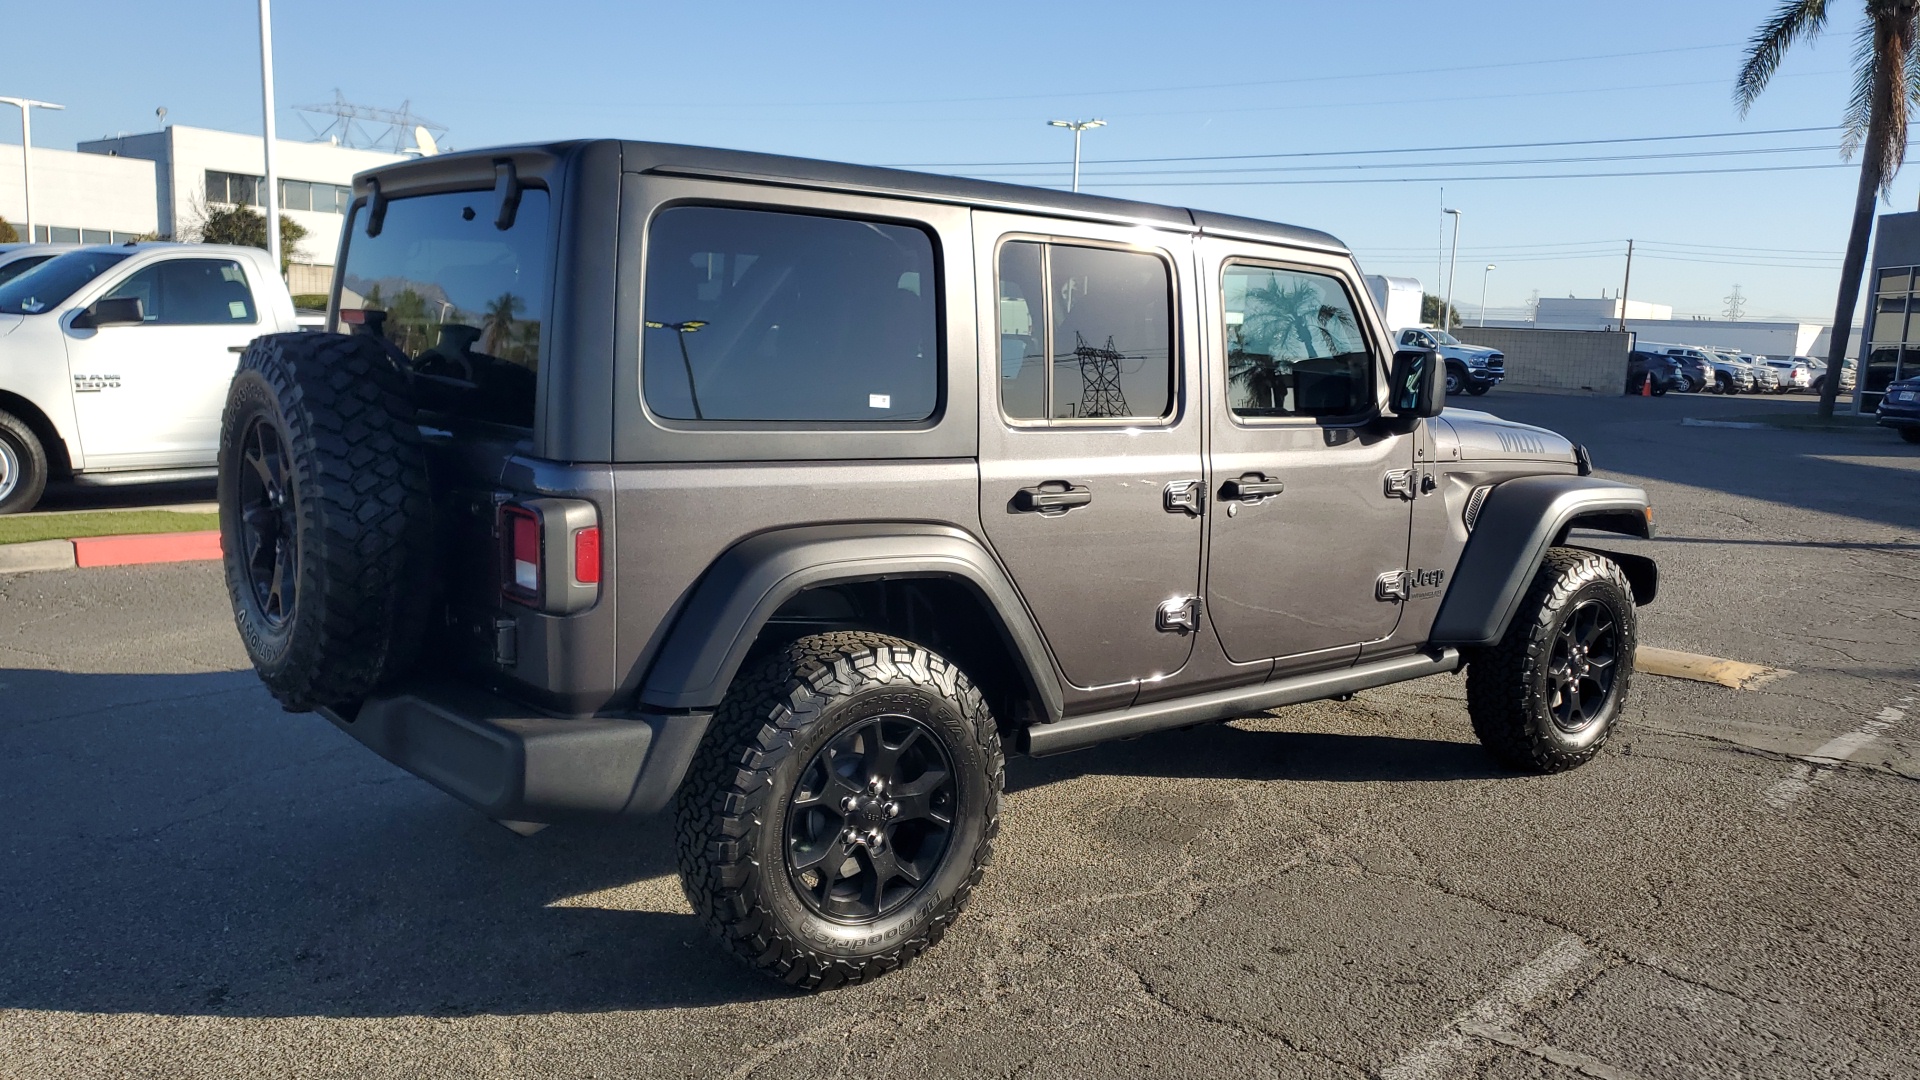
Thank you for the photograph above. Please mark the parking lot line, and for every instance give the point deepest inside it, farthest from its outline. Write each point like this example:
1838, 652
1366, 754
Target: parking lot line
1783, 793
1498, 1011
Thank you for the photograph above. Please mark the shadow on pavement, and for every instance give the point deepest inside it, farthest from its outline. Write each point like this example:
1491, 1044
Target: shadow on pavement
1220, 751
177, 845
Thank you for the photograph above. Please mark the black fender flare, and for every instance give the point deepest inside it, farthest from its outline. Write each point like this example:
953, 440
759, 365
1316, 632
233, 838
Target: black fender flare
1519, 521
734, 599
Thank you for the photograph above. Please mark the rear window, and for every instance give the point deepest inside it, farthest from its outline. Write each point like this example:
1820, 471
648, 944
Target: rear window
462, 298
753, 315
49, 284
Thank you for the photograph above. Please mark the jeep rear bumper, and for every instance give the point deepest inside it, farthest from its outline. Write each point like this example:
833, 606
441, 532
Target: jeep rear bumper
514, 764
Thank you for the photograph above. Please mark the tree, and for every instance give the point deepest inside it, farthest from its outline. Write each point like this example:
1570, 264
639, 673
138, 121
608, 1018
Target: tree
1886, 80
247, 227
1287, 320
497, 326
1430, 311
8, 234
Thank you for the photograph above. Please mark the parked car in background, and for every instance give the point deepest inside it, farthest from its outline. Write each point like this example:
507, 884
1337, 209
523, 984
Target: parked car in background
1694, 364
1755, 382
1793, 372
1849, 373
1766, 380
1470, 368
1664, 369
17, 259
1900, 408
114, 361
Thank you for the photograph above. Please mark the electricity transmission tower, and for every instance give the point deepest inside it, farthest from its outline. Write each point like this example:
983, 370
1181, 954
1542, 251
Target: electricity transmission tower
1100, 393
368, 127
1736, 304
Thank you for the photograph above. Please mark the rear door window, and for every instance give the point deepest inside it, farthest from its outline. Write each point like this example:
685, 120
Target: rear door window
1086, 333
465, 300
762, 316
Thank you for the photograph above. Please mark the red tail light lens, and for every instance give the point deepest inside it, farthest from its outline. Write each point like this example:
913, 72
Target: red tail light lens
586, 556
522, 535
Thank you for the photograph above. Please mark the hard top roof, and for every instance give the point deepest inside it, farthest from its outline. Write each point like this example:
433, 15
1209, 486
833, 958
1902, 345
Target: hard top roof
675, 159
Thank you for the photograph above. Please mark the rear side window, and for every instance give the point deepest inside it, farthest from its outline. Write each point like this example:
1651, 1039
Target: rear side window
753, 315
190, 292
1294, 345
1086, 333
463, 298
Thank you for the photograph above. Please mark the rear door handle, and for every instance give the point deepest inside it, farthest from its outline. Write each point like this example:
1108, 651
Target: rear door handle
1251, 487
1052, 497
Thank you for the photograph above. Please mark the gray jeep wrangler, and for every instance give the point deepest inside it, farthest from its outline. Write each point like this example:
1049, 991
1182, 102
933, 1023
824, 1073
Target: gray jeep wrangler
793, 495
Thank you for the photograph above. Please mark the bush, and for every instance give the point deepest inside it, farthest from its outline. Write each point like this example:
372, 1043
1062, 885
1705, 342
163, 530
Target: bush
312, 301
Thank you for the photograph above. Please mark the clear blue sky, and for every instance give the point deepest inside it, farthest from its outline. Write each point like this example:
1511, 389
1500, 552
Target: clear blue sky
974, 83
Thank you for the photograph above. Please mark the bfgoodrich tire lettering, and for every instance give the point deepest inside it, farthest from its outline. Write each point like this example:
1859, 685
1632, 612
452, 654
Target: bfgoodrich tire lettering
736, 808
1535, 707
323, 489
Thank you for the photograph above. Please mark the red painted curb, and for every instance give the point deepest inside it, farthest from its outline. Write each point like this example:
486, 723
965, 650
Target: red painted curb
148, 548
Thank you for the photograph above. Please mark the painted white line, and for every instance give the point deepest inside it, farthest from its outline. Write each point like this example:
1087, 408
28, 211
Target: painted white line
1584, 1064
1499, 1010
1783, 793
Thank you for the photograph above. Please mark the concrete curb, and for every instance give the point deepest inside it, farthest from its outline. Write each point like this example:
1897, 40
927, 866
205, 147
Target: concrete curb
92, 551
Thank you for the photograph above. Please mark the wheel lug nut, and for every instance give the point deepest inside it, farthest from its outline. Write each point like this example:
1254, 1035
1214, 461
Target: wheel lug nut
893, 809
849, 804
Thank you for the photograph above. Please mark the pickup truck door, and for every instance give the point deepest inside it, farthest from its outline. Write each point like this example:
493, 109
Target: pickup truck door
1310, 496
150, 396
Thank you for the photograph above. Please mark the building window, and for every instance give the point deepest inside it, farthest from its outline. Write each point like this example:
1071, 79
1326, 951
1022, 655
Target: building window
239, 189
1893, 341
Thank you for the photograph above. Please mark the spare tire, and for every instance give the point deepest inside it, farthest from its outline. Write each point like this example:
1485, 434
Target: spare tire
325, 519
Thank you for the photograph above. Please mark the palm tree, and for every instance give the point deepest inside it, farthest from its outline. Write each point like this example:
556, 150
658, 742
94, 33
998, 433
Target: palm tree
498, 322
1886, 79
1287, 319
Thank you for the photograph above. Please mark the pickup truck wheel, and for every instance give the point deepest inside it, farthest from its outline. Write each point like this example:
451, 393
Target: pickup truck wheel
1456, 381
1545, 698
841, 809
324, 517
23, 466
1478, 389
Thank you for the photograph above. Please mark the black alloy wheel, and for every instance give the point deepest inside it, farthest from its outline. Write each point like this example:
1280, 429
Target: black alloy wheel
269, 507
1581, 667
871, 819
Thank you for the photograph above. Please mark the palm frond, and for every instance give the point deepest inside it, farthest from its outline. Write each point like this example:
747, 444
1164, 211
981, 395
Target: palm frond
1794, 21
1859, 114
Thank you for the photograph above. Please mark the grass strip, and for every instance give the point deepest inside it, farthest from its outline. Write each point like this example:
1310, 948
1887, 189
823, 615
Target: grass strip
19, 530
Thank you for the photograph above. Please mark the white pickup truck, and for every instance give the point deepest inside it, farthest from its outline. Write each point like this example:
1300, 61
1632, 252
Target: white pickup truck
114, 362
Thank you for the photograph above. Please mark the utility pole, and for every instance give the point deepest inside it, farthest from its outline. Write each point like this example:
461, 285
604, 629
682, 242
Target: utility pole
1483, 291
266, 100
26, 106
1628, 280
1076, 126
1446, 313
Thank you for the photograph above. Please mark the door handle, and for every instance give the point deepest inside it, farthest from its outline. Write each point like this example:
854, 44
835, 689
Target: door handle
1052, 497
1251, 487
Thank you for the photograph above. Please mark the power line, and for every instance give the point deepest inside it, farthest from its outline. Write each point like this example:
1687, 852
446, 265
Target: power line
1469, 179
1399, 150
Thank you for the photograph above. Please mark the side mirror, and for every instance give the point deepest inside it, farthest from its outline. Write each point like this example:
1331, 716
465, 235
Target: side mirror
1419, 386
112, 311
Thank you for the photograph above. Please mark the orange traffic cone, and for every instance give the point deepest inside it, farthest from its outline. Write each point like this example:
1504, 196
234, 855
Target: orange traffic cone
1646, 385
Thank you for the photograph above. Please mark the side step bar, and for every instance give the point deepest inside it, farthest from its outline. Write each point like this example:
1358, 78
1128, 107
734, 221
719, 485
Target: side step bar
145, 476
1076, 732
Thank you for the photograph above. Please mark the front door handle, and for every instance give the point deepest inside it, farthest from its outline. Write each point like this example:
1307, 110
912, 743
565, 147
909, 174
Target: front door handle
1050, 498
1251, 487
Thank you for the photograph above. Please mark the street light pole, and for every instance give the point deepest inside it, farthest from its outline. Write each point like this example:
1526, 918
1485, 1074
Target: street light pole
26, 107
1446, 313
1076, 126
1483, 292
266, 101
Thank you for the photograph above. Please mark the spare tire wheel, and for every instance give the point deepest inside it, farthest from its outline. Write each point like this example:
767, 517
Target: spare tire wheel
324, 517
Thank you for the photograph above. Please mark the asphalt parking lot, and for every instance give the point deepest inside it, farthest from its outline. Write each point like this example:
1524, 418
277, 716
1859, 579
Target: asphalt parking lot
197, 884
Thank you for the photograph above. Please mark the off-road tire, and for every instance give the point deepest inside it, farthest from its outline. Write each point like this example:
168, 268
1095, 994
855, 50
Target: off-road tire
732, 809
23, 466
361, 528
1509, 693
1911, 434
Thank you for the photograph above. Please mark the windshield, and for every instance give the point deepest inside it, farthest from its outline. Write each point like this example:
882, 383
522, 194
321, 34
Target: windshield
1443, 337
48, 285
20, 266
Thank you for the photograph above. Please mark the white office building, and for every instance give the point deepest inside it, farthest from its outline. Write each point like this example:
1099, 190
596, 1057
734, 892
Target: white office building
164, 182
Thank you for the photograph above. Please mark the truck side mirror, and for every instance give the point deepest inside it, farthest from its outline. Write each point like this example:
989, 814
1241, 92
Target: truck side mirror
112, 311
1419, 385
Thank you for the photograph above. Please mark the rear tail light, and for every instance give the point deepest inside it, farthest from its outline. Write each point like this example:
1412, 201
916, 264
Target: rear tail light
586, 555
550, 554
521, 532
